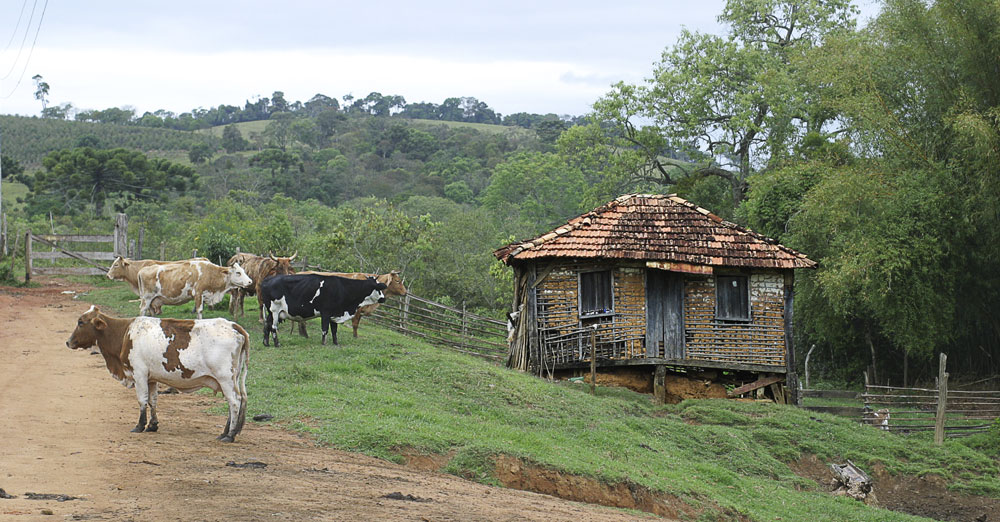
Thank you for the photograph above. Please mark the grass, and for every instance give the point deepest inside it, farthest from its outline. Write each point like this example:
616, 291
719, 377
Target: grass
383, 393
245, 127
11, 191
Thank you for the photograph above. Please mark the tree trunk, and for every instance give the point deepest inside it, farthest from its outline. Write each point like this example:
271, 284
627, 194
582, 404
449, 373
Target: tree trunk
871, 346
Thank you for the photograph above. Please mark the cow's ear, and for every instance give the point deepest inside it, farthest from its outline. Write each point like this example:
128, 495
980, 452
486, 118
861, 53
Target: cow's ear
99, 323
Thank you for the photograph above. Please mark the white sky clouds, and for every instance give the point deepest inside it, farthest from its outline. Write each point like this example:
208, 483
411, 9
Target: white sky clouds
529, 56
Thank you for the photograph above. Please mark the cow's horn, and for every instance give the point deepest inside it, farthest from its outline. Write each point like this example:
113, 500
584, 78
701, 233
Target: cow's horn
271, 255
293, 255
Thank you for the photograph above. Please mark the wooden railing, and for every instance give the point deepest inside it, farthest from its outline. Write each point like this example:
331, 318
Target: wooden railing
445, 326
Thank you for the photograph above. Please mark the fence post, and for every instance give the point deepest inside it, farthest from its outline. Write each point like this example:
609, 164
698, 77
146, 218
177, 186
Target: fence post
27, 256
163, 250
465, 335
406, 311
942, 401
3, 235
121, 235
131, 249
593, 360
138, 252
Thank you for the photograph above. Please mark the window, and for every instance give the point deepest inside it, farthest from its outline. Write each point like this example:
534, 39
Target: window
732, 299
596, 293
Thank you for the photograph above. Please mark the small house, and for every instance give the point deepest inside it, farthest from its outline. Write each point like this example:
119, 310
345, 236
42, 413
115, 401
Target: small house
656, 287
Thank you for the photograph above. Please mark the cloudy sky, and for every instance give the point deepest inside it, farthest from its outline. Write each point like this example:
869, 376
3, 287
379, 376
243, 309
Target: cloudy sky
532, 56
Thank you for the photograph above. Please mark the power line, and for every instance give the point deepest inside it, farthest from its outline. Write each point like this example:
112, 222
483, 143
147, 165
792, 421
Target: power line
20, 17
38, 29
13, 64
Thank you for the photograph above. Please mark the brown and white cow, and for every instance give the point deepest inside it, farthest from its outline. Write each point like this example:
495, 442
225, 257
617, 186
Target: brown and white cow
125, 269
202, 281
394, 287
186, 354
258, 268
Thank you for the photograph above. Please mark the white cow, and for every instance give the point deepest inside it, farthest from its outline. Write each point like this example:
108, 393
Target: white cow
183, 353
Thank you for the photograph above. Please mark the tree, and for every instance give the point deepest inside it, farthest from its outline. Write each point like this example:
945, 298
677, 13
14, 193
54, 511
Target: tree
232, 139
543, 186
200, 153
58, 112
79, 178
41, 90
734, 103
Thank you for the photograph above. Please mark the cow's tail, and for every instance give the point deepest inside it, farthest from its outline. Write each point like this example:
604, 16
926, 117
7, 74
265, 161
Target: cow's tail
241, 383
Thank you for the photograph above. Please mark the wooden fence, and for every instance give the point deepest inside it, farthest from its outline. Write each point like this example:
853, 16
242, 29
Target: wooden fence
951, 413
445, 326
102, 248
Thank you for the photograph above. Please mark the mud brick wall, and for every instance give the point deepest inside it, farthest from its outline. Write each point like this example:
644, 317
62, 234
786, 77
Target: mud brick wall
619, 336
759, 341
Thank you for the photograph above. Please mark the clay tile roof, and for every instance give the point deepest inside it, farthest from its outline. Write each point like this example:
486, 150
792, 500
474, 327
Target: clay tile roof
651, 227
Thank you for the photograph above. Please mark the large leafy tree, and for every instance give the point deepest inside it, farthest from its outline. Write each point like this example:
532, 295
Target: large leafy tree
84, 178
906, 235
724, 106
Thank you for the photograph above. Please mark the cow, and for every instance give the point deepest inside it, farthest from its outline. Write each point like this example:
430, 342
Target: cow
303, 296
258, 268
177, 283
125, 269
394, 287
186, 354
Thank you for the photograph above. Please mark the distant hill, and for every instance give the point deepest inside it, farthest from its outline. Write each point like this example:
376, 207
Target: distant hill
28, 140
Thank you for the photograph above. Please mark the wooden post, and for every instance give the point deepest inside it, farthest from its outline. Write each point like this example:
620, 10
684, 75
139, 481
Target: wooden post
121, 235
593, 361
808, 354
138, 252
660, 384
131, 249
942, 404
464, 329
27, 256
163, 250
406, 311
194, 253
3, 235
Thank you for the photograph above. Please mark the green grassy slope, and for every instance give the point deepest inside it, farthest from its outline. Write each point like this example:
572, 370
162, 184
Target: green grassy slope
383, 392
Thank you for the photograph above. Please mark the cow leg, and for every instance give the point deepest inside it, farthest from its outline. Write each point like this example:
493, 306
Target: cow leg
333, 327
354, 323
144, 306
233, 424
198, 305
302, 329
142, 394
153, 424
325, 319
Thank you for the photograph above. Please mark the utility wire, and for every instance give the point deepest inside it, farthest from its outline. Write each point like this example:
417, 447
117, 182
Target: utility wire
13, 64
20, 17
31, 51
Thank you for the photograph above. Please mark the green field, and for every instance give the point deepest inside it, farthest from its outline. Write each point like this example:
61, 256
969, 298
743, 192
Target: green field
11, 191
245, 128
384, 393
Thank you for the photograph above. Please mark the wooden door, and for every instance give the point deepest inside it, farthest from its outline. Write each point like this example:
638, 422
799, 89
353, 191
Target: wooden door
664, 314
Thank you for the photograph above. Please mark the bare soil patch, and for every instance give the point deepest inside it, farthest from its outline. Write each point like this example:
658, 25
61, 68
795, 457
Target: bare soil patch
923, 496
64, 427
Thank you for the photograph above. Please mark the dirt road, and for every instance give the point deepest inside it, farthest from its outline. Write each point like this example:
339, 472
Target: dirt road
64, 430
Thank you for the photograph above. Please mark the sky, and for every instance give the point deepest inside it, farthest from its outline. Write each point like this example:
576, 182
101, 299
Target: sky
534, 56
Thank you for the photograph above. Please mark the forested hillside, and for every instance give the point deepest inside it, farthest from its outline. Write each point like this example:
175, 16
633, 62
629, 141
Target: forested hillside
873, 150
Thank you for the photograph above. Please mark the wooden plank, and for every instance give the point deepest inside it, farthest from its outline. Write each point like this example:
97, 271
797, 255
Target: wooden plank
80, 238
759, 383
831, 394
67, 270
841, 411
106, 256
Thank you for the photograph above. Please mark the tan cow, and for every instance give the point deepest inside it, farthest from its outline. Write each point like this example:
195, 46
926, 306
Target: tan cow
258, 268
125, 269
202, 281
394, 287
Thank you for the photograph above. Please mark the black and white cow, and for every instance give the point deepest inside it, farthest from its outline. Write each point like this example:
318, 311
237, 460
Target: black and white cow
303, 296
